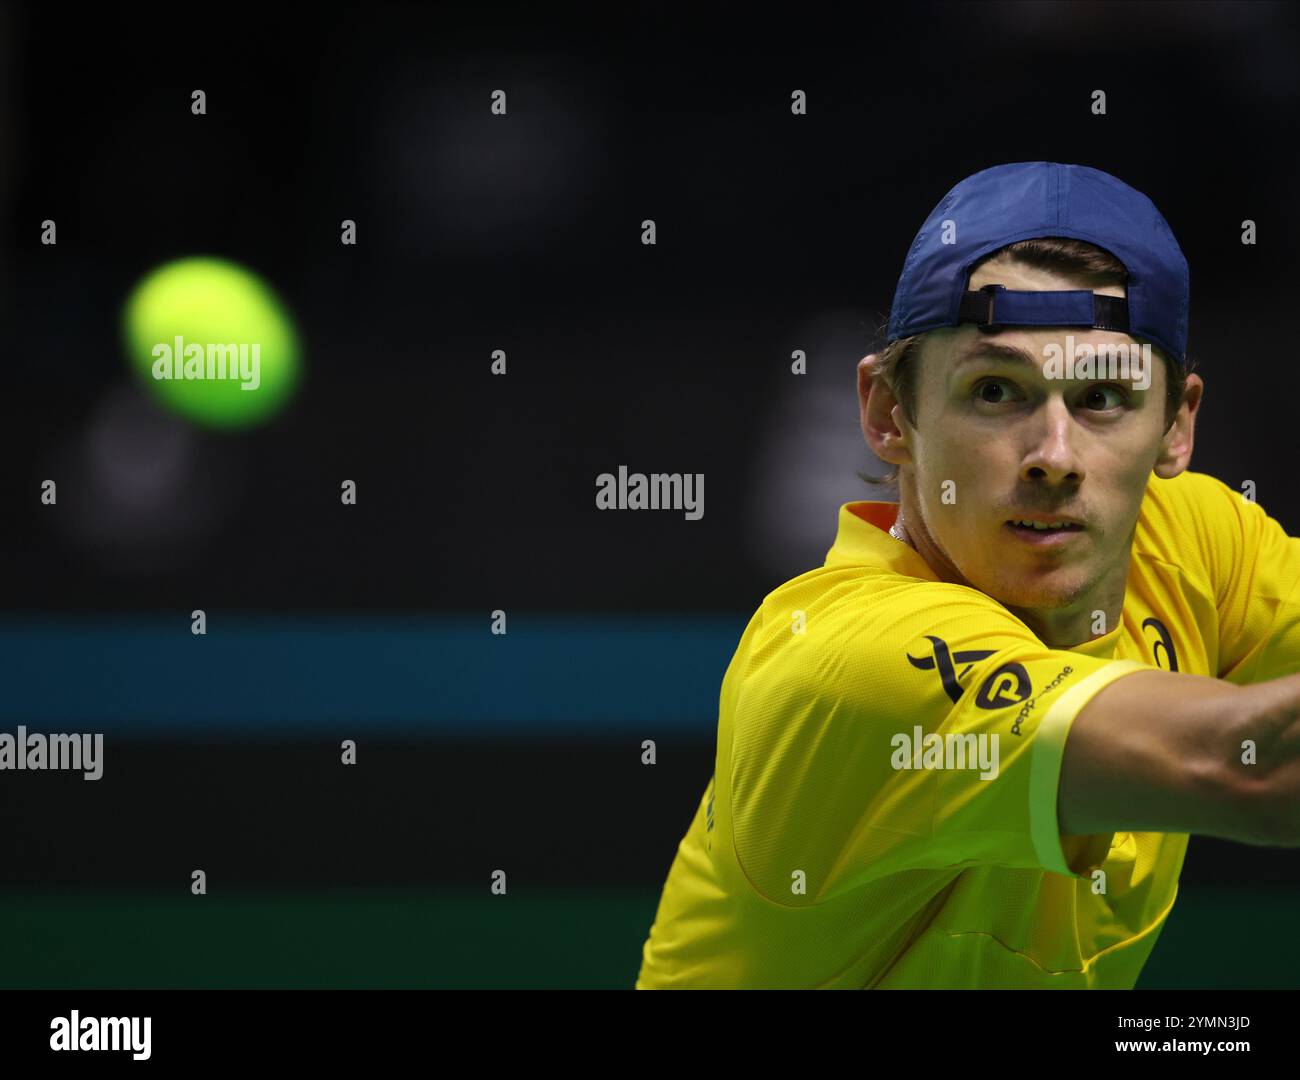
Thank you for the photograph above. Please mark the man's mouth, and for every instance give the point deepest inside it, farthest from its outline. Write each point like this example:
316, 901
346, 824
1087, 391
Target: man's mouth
1044, 531
1044, 526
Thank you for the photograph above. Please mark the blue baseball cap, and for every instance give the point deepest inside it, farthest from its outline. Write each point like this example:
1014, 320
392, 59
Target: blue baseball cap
1030, 199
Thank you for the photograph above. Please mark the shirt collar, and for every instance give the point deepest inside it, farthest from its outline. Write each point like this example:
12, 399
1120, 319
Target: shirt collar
863, 538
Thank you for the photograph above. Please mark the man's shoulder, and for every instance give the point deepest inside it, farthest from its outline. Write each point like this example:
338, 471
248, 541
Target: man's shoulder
854, 588
1185, 519
1186, 487
838, 615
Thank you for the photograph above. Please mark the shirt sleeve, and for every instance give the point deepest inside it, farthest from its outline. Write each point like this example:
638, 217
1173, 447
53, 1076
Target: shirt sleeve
921, 730
1254, 569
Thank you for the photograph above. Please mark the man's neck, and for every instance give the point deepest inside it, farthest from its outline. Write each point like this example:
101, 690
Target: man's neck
1058, 628
1068, 628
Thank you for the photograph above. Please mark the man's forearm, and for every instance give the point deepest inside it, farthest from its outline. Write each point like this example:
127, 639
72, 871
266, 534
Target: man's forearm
1268, 763
1156, 751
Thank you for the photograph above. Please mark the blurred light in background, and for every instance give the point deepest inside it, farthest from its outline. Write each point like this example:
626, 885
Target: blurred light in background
1246, 42
806, 468
141, 485
464, 181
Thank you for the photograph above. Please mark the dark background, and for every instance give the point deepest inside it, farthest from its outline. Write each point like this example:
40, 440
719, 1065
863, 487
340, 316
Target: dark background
476, 492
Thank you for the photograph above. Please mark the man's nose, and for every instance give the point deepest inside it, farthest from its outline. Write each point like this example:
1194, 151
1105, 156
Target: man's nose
1054, 455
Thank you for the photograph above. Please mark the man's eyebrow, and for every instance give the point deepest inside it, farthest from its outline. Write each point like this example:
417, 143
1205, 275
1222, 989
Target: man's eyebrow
989, 350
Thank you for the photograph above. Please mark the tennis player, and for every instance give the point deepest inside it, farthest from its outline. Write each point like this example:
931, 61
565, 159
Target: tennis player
969, 750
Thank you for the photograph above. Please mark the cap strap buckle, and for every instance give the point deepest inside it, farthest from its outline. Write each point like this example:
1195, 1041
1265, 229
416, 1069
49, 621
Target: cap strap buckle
995, 306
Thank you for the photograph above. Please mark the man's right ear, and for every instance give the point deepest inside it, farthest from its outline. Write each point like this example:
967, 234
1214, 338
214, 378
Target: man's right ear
881, 414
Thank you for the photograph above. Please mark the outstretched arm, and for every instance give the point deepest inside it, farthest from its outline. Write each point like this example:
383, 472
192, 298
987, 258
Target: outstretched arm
1157, 751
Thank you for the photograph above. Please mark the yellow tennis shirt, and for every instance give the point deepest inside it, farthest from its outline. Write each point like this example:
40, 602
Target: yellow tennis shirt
883, 806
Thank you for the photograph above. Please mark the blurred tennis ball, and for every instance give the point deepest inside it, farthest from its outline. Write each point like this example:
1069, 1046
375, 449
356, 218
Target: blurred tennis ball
213, 342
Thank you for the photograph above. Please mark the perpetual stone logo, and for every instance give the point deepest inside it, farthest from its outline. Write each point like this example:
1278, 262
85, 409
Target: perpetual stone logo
947, 662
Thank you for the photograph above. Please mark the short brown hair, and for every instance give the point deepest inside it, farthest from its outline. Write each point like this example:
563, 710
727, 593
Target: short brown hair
897, 361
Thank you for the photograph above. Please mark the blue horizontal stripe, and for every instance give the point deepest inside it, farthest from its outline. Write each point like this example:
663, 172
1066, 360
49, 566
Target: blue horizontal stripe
550, 675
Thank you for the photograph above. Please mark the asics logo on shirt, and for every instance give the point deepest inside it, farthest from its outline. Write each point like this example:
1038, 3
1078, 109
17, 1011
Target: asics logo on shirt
1165, 641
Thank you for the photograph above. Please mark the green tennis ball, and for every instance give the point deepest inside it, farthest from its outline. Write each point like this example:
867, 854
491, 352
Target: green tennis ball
212, 341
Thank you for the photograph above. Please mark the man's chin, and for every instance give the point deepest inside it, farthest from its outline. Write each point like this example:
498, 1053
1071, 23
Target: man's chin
1049, 592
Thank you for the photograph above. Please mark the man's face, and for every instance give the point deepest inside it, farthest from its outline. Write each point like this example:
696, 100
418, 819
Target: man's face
1018, 444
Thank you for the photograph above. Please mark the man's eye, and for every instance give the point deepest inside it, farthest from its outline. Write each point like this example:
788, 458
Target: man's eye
994, 391
1097, 397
